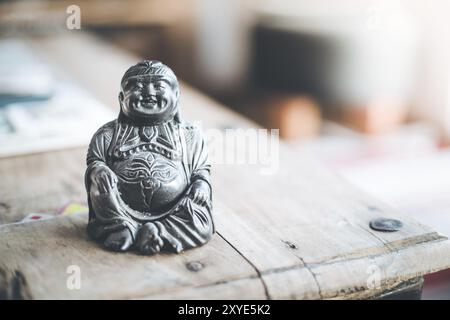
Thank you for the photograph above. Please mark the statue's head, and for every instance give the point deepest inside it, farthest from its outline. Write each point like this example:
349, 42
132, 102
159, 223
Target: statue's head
149, 93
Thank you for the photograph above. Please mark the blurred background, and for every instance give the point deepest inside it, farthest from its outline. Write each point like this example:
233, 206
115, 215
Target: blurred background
365, 85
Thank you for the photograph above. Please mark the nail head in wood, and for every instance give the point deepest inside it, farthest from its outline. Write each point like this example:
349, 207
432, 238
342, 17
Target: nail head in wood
386, 225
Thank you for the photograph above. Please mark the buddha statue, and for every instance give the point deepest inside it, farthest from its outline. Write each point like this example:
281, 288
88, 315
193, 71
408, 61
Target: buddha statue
148, 176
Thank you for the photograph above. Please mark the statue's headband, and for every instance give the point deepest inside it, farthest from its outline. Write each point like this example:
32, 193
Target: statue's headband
149, 68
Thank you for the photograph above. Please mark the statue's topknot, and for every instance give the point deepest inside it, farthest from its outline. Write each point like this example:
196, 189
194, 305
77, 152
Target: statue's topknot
149, 67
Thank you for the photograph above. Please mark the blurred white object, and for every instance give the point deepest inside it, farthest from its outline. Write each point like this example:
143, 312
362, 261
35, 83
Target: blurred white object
432, 95
370, 47
54, 115
68, 119
222, 43
21, 74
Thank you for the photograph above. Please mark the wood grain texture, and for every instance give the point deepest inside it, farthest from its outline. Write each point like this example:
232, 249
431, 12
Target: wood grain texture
300, 233
40, 183
42, 251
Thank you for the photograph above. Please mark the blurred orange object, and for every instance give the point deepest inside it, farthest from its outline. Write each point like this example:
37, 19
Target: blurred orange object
376, 117
296, 116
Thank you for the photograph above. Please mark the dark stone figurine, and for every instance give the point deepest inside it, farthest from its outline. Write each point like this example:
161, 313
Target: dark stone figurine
148, 176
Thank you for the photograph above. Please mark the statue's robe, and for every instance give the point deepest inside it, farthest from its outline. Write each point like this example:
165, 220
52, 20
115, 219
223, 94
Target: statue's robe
156, 167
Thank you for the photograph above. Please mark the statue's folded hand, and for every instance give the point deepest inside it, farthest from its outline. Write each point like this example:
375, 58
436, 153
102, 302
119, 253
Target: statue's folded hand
103, 179
200, 193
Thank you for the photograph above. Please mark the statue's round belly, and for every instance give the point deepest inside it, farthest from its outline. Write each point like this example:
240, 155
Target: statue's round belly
149, 182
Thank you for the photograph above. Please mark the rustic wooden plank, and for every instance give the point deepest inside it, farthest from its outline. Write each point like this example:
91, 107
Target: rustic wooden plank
299, 233
328, 228
42, 251
40, 183
316, 218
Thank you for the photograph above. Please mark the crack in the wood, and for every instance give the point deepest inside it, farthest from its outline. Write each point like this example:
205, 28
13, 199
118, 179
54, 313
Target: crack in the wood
266, 290
13, 287
293, 246
319, 289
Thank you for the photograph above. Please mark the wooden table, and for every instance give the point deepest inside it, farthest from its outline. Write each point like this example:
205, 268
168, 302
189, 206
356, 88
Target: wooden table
302, 233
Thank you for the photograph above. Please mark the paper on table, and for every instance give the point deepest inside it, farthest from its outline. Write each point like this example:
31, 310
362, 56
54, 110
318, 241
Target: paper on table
39, 112
21, 72
67, 210
68, 119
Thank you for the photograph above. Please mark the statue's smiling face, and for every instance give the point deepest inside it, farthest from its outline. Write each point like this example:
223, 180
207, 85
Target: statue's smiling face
152, 97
